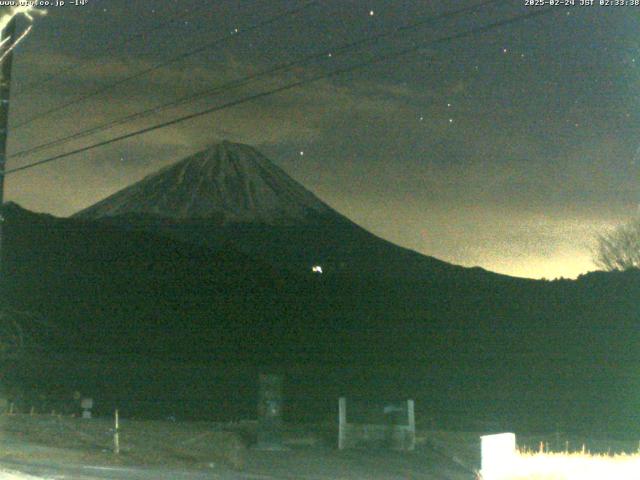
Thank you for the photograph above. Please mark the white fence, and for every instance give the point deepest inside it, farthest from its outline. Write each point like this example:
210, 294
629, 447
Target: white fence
395, 435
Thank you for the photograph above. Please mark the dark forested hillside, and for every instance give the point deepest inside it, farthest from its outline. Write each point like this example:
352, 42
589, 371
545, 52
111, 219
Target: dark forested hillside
464, 343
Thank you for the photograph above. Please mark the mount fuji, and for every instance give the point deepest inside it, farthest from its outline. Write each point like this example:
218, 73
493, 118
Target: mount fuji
226, 183
231, 193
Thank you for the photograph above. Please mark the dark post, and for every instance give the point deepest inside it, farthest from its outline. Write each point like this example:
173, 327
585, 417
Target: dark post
8, 35
270, 412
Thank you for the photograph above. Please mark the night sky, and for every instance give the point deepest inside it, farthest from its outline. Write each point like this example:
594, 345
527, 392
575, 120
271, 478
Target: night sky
508, 149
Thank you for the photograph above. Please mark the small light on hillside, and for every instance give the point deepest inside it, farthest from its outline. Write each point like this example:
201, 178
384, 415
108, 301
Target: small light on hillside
316, 269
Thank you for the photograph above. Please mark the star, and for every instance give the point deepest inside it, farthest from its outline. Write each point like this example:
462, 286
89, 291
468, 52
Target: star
421, 118
371, 13
504, 50
451, 120
302, 153
448, 105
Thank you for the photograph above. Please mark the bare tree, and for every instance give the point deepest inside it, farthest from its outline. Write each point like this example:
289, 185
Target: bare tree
619, 249
19, 334
12, 334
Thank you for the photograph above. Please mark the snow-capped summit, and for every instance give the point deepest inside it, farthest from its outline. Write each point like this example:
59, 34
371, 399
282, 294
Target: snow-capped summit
231, 182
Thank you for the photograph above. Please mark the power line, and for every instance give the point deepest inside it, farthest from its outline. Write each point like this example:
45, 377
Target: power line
472, 32
124, 41
247, 79
164, 63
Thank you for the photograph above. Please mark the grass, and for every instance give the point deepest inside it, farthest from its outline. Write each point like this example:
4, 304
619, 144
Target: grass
574, 466
527, 464
152, 443
203, 445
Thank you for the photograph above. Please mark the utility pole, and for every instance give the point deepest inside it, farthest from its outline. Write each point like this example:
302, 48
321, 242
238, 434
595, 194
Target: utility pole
8, 37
